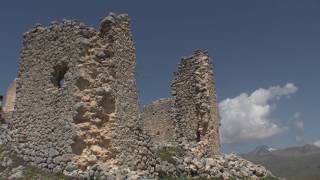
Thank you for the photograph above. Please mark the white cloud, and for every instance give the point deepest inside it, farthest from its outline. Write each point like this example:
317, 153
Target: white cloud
317, 143
248, 117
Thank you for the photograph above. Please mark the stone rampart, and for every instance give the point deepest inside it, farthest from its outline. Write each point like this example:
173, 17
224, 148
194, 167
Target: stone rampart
77, 100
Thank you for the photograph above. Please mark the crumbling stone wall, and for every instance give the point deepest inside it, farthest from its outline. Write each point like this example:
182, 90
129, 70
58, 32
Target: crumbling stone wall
77, 101
191, 115
195, 104
157, 120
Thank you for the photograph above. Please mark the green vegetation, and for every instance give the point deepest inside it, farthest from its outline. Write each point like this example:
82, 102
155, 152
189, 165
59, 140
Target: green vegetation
33, 173
270, 178
167, 154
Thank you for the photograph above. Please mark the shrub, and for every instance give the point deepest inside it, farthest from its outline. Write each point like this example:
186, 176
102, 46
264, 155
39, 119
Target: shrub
167, 154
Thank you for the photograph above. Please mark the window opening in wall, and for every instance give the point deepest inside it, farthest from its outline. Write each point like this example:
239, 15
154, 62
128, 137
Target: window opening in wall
60, 71
61, 82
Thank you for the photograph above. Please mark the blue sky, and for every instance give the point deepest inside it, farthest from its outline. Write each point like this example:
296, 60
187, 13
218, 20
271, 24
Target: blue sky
255, 44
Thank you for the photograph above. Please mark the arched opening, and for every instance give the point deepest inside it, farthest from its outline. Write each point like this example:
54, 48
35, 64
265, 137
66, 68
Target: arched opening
58, 74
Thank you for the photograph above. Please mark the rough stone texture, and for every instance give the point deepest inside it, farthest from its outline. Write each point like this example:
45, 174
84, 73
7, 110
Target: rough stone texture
4, 136
228, 166
157, 120
77, 100
9, 102
195, 104
192, 112
184, 161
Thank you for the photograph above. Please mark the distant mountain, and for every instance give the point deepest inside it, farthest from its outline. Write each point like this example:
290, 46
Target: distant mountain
294, 163
260, 151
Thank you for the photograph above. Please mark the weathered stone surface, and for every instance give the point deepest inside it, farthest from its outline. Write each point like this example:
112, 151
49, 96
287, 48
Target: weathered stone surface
217, 166
195, 106
191, 115
77, 99
4, 134
157, 120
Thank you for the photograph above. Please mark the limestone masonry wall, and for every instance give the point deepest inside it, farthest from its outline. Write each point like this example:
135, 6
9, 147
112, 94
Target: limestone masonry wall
157, 120
195, 103
77, 100
191, 115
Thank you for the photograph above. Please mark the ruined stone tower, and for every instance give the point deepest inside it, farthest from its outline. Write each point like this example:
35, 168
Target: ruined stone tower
190, 116
77, 100
195, 103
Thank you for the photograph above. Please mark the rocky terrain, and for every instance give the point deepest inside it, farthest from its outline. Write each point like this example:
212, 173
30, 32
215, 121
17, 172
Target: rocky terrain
172, 164
293, 163
220, 166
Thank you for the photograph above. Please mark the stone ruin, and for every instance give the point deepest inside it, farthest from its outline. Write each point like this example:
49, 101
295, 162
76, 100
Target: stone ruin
192, 110
76, 108
195, 103
77, 100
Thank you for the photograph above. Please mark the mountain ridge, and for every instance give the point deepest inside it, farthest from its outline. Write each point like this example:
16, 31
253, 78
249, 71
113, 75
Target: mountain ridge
292, 163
